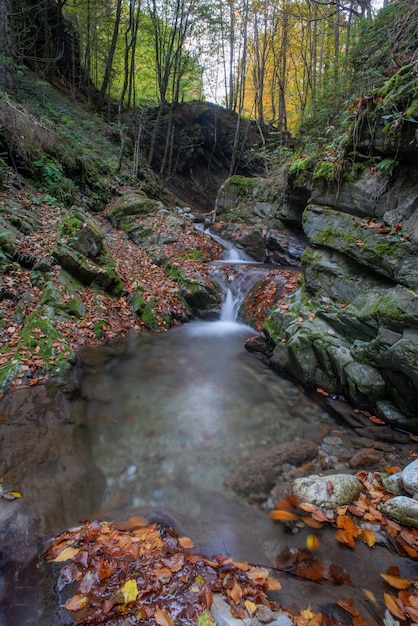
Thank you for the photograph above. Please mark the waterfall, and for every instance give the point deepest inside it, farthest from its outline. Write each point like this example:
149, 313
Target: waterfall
228, 310
235, 273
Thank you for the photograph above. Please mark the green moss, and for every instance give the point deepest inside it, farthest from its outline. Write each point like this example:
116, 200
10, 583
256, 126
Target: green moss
326, 237
193, 255
301, 168
39, 336
325, 169
241, 185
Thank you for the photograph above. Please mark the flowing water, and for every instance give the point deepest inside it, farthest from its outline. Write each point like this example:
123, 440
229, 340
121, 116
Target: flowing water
181, 411
170, 420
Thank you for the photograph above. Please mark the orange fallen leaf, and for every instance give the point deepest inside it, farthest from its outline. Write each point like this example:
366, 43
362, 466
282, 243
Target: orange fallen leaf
186, 543
346, 523
346, 538
66, 554
76, 603
235, 593
163, 618
392, 606
396, 581
279, 515
312, 523
376, 420
273, 584
369, 537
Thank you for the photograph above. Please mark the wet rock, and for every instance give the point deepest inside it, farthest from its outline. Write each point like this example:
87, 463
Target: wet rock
262, 472
402, 509
328, 491
259, 344
88, 272
366, 458
393, 483
410, 477
221, 612
354, 237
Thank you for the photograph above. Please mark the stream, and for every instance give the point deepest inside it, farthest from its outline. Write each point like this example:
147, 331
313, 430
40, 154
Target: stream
170, 418
181, 410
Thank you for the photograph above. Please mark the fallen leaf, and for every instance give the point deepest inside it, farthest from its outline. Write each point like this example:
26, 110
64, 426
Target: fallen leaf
186, 543
235, 593
396, 581
392, 606
76, 603
273, 584
206, 619
66, 554
346, 538
280, 515
312, 542
369, 537
130, 591
163, 618
369, 595
251, 607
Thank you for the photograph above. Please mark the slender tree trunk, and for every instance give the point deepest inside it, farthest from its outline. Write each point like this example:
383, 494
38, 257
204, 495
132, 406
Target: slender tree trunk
109, 63
7, 68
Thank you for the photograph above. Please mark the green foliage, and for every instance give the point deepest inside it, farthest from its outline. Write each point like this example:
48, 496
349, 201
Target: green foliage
387, 166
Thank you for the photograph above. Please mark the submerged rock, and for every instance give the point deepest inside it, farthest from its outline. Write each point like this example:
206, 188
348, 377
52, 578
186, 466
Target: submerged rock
263, 471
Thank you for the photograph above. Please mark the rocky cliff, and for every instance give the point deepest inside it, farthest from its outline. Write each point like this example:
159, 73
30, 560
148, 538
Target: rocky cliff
351, 328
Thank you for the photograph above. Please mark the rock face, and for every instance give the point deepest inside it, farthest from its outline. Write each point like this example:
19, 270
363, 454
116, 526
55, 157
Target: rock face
352, 326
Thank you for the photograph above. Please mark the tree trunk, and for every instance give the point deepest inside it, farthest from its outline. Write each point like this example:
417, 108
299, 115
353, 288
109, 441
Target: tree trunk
7, 69
109, 62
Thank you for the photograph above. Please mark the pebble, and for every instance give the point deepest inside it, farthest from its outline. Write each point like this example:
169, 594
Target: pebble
332, 441
366, 458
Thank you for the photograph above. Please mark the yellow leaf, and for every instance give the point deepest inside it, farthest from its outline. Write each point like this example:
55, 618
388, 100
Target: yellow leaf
369, 537
392, 606
66, 554
163, 618
76, 603
307, 613
396, 581
15, 494
130, 591
251, 607
312, 542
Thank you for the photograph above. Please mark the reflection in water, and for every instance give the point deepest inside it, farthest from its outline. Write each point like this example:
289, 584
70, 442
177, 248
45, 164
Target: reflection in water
182, 410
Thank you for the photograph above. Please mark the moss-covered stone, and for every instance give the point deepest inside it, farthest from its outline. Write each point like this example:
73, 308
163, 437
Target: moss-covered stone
125, 208
39, 336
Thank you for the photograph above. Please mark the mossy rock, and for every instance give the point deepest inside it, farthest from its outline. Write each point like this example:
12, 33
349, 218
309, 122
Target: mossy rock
39, 336
132, 204
395, 258
62, 296
82, 233
87, 271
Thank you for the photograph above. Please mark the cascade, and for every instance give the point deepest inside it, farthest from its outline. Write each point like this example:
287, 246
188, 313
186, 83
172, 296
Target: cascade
236, 273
